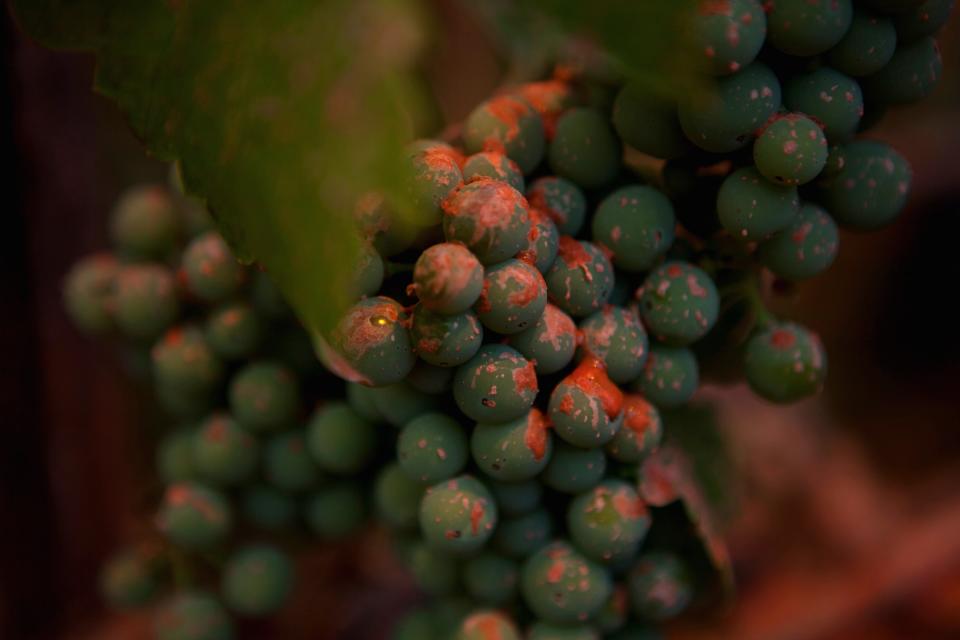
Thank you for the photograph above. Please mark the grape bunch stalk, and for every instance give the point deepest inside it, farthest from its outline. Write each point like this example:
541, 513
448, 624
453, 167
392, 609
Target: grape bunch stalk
584, 251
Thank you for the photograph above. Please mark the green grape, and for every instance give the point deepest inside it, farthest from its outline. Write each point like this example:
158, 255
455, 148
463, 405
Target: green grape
869, 187
585, 149
513, 298
496, 385
266, 297
648, 123
144, 300
223, 453
491, 218
495, 165
729, 34
368, 272
339, 440
792, 150
267, 508
670, 377
192, 615
194, 516
435, 572
585, 406
211, 270
659, 585
507, 124
361, 400
447, 278
487, 625
640, 433
867, 46
523, 535
911, 75
560, 199
401, 403
234, 331
542, 241
615, 612
174, 457
804, 28
636, 224
581, 278
491, 578
264, 396
435, 175
445, 340
547, 631
550, 343
458, 515
573, 470
128, 579
832, 99
378, 225
805, 248
516, 498
923, 20
741, 104
608, 523
616, 336
287, 463
785, 363
257, 580
145, 224
371, 344
184, 363
415, 625
561, 586
88, 293
679, 303
335, 512
396, 498
513, 451
432, 447
752, 208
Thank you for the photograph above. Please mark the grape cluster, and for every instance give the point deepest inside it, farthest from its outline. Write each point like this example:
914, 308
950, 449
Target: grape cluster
553, 302
245, 461
517, 348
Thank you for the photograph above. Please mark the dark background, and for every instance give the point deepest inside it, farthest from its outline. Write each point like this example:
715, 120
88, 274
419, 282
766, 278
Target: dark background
850, 513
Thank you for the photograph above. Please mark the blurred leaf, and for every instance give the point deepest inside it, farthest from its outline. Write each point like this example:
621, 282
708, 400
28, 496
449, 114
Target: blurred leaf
647, 38
280, 113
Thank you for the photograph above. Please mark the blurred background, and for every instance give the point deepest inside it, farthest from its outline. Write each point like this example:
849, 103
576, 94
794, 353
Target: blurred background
848, 506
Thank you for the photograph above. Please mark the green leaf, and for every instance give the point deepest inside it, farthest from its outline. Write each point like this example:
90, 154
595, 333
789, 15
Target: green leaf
280, 113
693, 469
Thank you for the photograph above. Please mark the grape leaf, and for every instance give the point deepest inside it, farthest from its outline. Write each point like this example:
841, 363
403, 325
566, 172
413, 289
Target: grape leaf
280, 113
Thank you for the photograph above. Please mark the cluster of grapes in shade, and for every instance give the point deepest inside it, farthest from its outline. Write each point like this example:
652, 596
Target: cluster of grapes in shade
253, 456
565, 297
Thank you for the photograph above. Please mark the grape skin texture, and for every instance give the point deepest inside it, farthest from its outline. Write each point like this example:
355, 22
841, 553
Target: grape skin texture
458, 516
729, 35
562, 586
585, 149
785, 363
496, 385
805, 248
833, 99
870, 186
659, 586
560, 199
867, 46
670, 377
637, 224
339, 440
792, 150
194, 516
513, 451
573, 470
679, 303
609, 522
432, 447
804, 28
509, 124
